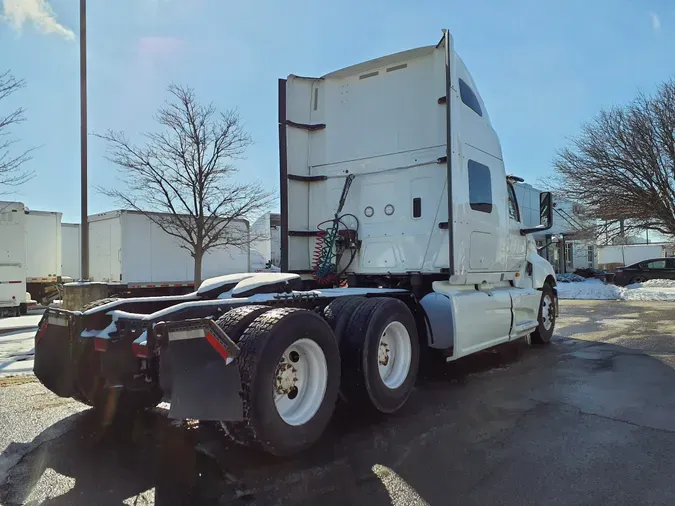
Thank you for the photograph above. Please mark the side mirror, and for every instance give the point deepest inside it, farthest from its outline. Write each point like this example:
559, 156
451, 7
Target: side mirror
546, 209
545, 214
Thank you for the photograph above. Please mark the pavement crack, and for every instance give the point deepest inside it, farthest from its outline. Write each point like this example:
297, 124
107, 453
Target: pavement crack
605, 417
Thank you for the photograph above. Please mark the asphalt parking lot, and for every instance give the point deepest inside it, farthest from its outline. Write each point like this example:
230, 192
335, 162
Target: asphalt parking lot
586, 420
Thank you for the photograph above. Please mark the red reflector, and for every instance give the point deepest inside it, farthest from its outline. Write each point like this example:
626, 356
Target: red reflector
100, 344
14, 282
40, 333
217, 346
139, 350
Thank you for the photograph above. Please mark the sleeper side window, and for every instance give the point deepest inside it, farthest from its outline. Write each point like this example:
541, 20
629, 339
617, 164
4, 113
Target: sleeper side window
480, 187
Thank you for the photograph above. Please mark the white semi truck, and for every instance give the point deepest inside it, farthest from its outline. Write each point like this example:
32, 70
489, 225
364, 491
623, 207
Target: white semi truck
401, 238
13, 258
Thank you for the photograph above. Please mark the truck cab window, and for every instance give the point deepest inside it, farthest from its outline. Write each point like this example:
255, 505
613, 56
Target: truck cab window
469, 98
514, 213
480, 187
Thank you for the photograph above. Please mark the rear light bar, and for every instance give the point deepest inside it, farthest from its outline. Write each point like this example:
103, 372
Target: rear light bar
200, 328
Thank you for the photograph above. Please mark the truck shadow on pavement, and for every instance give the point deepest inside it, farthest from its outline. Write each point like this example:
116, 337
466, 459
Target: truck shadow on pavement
446, 440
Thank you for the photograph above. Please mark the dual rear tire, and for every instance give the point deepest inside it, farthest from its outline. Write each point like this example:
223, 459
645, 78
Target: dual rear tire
380, 351
293, 364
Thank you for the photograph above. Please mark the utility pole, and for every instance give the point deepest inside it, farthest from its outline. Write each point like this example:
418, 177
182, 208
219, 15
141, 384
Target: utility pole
84, 225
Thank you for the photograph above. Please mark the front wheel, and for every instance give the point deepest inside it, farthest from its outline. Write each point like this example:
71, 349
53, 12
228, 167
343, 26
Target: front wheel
544, 331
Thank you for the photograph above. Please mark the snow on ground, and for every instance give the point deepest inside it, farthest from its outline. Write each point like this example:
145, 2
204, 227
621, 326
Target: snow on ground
20, 322
594, 289
17, 336
17, 352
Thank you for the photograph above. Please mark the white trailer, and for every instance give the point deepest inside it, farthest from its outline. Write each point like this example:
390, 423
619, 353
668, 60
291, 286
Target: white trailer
266, 243
630, 254
71, 254
43, 254
12, 258
402, 239
130, 252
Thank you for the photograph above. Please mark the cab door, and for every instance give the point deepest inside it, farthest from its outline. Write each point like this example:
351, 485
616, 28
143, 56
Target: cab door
516, 243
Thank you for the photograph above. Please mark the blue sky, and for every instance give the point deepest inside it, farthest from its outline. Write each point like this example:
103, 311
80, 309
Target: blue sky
542, 68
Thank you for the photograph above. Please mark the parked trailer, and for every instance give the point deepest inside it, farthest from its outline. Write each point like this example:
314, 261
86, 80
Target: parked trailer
135, 256
13, 259
71, 252
43, 255
410, 206
266, 245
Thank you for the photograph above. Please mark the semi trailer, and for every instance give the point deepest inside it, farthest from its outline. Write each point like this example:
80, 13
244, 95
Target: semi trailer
13, 259
401, 239
43, 256
266, 243
133, 256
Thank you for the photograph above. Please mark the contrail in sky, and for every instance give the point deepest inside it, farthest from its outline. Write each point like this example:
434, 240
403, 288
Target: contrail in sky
38, 12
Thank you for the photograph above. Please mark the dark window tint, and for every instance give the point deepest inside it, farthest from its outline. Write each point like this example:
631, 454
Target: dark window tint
513, 203
480, 187
469, 97
417, 207
670, 264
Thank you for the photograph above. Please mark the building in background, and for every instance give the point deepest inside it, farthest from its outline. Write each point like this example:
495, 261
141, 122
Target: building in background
570, 243
575, 243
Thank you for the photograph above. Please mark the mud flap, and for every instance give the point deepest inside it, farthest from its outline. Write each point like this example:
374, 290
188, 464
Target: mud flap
55, 363
205, 383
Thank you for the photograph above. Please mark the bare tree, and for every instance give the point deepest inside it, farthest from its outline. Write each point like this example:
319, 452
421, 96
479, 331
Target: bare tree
11, 173
185, 173
621, 168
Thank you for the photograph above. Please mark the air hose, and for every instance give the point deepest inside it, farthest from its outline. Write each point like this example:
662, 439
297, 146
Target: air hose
325, 256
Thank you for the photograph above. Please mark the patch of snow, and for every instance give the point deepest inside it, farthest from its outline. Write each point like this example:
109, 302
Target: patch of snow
17, 353
213, 283
594, 289
262, 279
654, 283
19, 322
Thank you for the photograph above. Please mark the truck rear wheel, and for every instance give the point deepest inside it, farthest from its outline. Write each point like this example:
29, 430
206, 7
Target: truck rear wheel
236, 320
290, 375
338, 313
380, 355
546, 318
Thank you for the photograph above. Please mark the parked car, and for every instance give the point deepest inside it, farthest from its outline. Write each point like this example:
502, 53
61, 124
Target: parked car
656, 268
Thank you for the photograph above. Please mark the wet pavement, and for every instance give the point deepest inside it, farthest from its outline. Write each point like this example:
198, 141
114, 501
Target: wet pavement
589, 419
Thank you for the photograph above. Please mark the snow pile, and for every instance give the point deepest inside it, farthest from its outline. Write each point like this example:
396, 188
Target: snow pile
569, 278
594, 289
654, 283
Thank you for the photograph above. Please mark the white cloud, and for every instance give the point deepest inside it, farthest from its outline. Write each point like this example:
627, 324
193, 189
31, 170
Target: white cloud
38, 12
656, 21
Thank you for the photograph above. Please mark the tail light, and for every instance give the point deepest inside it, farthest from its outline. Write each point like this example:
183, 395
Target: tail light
40, 333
